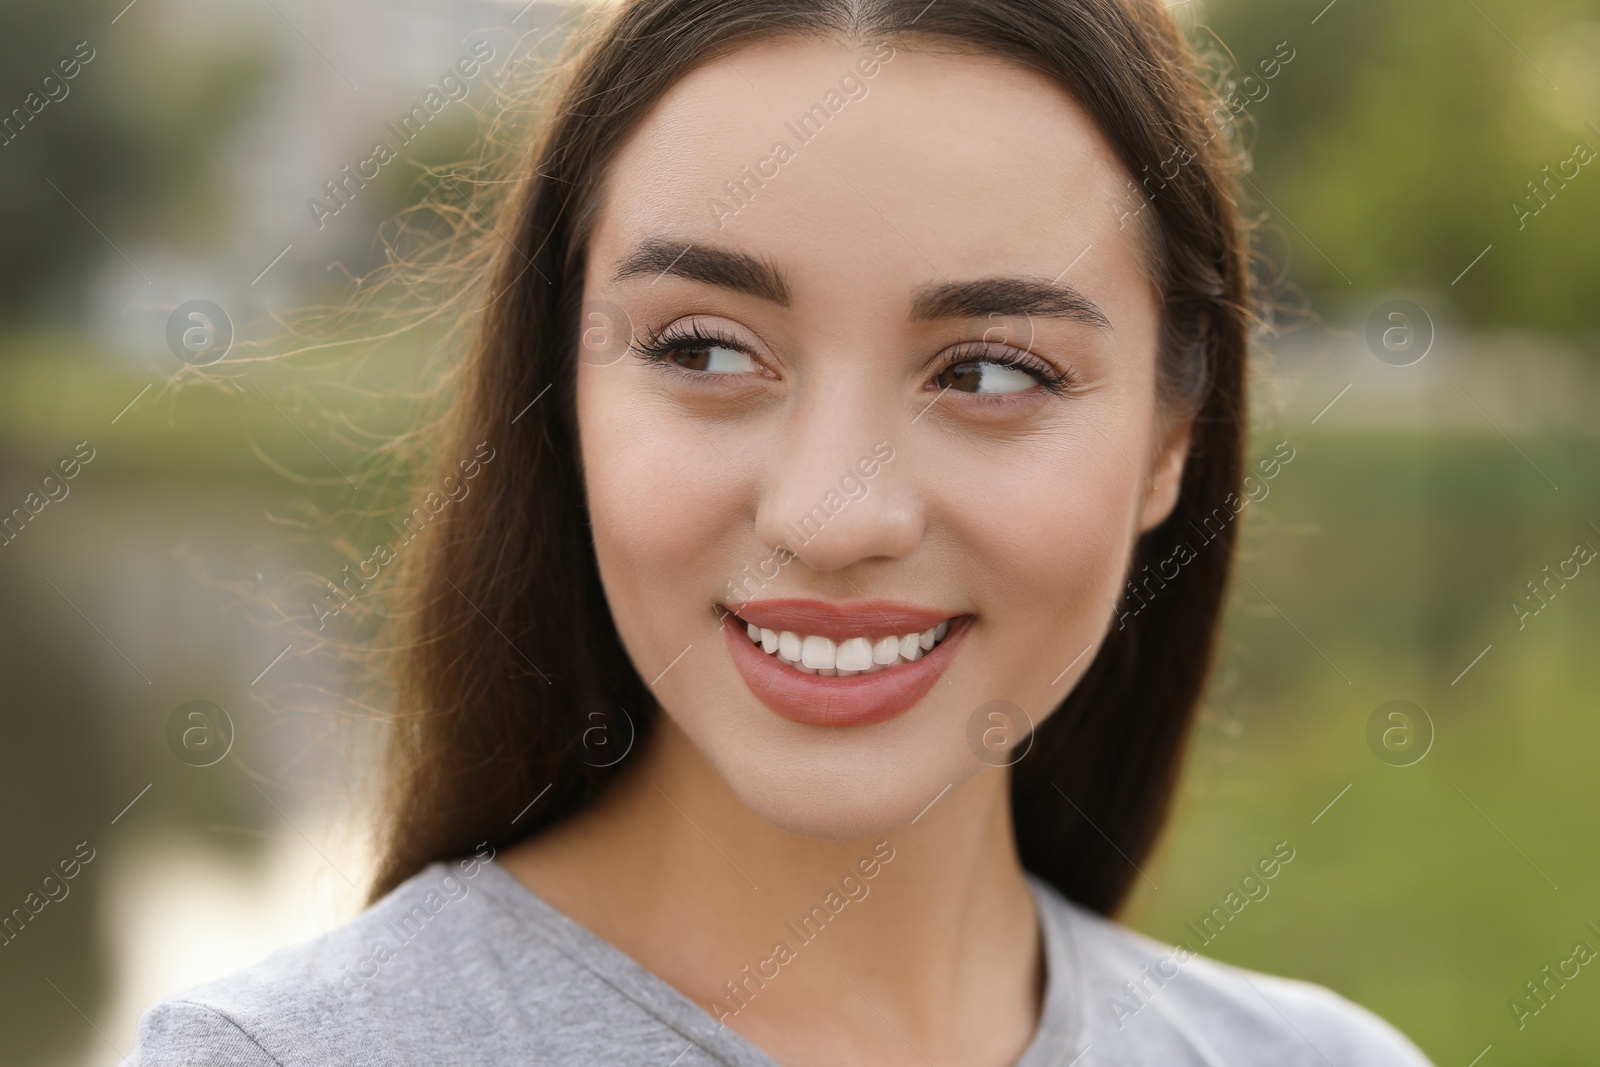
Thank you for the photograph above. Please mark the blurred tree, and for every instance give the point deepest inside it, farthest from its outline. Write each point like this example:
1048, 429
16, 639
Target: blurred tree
56, 790
130, 142
1400, 135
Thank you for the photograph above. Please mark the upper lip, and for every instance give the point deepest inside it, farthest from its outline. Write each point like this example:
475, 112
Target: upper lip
857, 618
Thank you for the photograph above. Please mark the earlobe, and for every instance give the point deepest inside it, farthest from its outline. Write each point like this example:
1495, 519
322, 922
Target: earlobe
1166, 481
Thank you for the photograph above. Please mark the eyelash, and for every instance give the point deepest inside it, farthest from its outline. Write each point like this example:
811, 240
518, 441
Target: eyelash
656, 349
1056, 382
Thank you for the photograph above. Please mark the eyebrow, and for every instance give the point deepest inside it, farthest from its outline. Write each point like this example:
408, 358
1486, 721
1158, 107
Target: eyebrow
1006, 296
743, 273
721, 267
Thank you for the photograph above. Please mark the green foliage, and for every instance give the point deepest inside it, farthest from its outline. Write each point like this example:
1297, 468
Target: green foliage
1400, 135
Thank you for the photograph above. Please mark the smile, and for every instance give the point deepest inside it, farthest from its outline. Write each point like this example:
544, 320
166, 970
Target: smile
815, 654
840, 665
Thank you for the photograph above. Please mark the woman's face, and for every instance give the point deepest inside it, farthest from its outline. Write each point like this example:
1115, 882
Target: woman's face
903, 380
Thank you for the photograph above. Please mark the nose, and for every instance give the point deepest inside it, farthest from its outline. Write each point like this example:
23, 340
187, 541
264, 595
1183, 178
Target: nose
840, 490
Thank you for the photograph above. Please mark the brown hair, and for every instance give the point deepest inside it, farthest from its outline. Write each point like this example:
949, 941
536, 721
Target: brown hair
508, 643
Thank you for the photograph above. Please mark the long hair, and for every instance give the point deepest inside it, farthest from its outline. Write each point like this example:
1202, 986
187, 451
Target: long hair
509, 655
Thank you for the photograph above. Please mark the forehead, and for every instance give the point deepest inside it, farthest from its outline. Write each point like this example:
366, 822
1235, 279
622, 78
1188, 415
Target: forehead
869, 179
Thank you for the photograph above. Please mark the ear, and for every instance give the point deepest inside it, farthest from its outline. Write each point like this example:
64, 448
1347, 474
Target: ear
1166, 480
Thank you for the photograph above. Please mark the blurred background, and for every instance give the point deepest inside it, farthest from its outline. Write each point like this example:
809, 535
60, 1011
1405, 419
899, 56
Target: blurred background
1407, 693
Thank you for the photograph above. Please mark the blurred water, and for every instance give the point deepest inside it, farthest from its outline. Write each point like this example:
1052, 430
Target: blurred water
208, 868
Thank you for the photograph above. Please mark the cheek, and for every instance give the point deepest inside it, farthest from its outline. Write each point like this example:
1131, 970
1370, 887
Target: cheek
658, 494
1059, 585
1048, 536
1053, 528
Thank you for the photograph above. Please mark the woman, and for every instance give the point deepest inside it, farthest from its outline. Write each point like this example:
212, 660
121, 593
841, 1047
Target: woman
794, 686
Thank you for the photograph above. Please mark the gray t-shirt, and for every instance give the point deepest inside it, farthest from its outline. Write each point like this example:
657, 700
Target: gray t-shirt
464, 964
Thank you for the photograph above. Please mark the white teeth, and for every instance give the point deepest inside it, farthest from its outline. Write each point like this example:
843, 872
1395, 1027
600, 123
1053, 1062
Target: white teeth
817, 653
856, 655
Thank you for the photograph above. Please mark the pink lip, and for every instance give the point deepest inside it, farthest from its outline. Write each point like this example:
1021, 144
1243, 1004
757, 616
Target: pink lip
856, 700
841, 621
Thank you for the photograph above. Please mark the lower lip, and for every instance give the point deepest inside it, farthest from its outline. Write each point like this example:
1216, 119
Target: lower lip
820, 700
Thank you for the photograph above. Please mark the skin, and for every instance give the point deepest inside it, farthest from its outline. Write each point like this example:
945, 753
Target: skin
1014, 504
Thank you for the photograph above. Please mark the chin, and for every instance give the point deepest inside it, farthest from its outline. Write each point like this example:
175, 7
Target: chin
863, 809
838, 784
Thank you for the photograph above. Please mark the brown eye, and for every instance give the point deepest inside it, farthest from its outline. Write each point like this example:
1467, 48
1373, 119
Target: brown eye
716, 358
696, 351
985, 376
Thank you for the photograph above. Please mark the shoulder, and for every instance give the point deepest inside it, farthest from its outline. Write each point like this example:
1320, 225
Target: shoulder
1143, 994
179, 1031
330, 999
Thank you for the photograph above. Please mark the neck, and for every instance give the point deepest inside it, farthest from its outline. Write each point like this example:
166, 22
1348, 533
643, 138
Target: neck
805, 946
